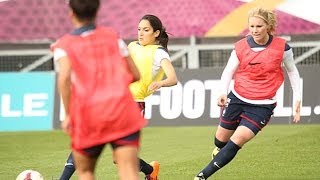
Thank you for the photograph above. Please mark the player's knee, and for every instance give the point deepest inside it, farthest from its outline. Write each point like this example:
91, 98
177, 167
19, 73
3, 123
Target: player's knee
241, 139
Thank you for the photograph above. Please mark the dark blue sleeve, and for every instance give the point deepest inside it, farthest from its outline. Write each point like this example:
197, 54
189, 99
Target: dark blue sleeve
287, 47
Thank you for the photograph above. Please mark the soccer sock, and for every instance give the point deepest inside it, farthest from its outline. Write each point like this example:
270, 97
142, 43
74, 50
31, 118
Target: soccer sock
145, 167
225, 155
218, 143
69, 169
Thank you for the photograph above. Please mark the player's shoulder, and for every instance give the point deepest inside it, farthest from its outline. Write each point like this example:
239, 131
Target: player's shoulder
133, 45
62, 42
287, 47
109, 31
162, 49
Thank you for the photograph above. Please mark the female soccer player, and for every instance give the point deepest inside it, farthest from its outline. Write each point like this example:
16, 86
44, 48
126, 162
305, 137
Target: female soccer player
255, 64
93, 79
150, 55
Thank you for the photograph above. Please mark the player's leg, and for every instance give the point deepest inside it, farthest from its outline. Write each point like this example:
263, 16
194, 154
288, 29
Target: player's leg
151, 170
127, 162
85, 165
145, 167
229, 121
69, 168
125, 154
86, 160
220, 140
227, 153
154, 175
252, 121
247, 129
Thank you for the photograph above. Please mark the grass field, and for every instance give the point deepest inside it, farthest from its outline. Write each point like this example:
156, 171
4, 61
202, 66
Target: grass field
278, 152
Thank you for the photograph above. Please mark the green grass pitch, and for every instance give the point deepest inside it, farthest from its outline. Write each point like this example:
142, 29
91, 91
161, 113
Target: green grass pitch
278, 152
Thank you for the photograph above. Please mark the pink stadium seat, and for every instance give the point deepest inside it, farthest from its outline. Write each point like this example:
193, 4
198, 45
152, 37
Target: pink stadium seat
43, 20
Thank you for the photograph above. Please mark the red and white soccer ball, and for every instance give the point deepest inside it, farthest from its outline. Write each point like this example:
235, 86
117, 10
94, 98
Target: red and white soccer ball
30, 175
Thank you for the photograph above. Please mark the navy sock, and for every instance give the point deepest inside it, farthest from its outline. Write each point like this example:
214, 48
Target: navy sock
226, 154
145, 167
218, 143
69, 169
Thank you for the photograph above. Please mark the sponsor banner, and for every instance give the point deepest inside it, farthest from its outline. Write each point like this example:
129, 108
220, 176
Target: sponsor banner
27, 101
193, 100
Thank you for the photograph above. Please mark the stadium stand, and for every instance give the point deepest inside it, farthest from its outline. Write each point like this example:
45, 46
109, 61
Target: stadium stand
31, 25
30, 20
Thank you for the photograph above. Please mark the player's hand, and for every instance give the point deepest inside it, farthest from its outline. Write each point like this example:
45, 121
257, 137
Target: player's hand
65, 125
222, 100
296, 117
155, 86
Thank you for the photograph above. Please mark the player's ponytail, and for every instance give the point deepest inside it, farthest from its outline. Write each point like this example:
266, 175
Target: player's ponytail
163, 38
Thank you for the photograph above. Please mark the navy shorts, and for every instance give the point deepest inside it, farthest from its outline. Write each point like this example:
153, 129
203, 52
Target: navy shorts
239, 113
130, 140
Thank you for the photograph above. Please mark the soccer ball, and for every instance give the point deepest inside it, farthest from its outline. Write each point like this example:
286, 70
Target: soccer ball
30, 175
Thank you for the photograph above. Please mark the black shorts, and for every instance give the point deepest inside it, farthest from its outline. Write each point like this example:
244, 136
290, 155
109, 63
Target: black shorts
239, 113
130, 140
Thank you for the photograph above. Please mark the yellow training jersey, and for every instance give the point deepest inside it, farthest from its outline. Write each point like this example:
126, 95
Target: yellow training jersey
143, 57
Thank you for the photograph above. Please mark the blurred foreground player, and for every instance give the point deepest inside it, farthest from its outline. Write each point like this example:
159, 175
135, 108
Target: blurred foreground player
93, 79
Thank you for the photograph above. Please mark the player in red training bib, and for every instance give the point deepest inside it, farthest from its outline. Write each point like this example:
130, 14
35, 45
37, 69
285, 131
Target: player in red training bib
256, 66
93, 79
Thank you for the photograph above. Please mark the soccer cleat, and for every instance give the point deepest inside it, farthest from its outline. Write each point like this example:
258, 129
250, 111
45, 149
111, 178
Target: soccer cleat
155, 173
199, 177
215, 152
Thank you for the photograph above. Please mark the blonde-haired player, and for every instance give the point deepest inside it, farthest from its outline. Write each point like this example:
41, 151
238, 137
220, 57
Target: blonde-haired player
256, 66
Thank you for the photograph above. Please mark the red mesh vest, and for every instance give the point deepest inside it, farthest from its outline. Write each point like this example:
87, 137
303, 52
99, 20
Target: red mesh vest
101, 108
259, 74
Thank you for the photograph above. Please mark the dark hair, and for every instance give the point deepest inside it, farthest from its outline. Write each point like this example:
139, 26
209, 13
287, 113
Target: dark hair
85, 10
156, 24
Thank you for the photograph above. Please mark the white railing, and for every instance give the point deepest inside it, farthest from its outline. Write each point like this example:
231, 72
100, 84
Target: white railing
188, 53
